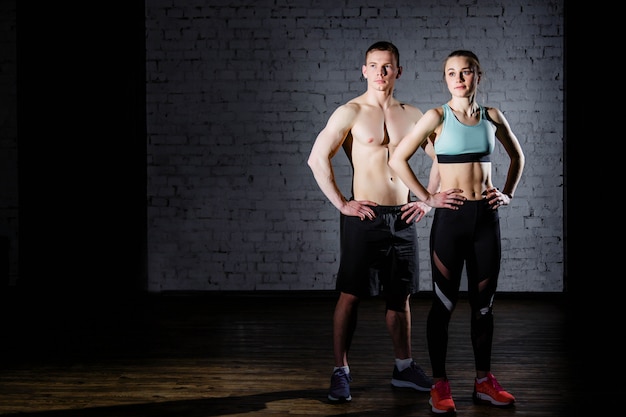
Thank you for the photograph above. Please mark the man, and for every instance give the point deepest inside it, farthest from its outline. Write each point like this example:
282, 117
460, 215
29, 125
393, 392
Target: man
379, 251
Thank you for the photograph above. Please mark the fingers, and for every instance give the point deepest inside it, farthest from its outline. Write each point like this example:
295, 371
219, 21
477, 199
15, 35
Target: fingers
454, 191
366, 212
453, 198
361, 209
420, 216
495, 198
413, 212
416, 216
496, 203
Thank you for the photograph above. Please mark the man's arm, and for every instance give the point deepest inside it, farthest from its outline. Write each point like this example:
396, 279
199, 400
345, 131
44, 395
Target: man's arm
326, 146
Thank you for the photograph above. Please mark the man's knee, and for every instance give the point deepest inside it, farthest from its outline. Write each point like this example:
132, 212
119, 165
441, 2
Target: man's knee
397, 303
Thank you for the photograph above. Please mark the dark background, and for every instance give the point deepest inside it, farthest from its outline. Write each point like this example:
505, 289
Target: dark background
82, 158
82, 172
82, 188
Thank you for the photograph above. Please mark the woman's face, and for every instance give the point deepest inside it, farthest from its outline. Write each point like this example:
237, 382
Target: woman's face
461, 76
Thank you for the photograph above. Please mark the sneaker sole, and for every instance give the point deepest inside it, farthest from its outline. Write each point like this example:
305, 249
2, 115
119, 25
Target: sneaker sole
339, 400
438, 411
486, 399
405, 384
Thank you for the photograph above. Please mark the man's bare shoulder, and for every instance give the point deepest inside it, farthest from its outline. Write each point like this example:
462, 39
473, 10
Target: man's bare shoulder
357, 102
353, 105
345, 115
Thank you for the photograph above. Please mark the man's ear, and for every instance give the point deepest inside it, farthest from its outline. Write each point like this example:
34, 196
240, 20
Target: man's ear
399, 72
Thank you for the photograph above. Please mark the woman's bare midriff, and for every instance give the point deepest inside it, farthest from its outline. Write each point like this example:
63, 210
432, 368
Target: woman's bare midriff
471, 177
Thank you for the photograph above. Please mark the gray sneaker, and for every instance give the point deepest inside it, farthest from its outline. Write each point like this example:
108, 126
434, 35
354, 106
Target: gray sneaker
340, 387
412, 377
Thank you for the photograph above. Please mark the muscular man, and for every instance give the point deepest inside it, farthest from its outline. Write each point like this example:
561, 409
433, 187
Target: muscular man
379, 251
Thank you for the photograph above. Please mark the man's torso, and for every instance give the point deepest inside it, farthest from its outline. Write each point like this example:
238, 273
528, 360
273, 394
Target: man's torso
375, 132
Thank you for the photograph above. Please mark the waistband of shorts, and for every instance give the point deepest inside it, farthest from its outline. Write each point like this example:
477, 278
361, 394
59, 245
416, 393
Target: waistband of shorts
387, 209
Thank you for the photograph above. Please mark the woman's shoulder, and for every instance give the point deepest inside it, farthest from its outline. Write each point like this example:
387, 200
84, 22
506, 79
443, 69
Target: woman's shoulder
493, 113
437, 112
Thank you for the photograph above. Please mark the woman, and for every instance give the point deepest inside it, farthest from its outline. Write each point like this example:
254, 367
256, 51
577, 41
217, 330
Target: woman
463, 134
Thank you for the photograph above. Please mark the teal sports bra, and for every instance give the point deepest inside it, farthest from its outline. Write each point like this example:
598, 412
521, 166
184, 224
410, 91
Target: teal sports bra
462, 143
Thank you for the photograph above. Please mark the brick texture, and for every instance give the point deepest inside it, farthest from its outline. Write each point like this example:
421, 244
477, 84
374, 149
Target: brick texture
237, 92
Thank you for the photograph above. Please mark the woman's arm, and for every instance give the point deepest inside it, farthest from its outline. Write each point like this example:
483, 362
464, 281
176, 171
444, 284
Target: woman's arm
512, 147
399, 158
399, 162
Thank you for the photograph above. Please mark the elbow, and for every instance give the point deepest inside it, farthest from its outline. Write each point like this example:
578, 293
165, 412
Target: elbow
393, 163
521, 161
311, 163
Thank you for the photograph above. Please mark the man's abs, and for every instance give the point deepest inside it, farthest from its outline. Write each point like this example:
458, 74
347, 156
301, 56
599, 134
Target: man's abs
386, 191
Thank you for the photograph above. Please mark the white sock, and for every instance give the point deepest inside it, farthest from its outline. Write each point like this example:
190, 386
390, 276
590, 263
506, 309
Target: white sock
402, 364
346, 369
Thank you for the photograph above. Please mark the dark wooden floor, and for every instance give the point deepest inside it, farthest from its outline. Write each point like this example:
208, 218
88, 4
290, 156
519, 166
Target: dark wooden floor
267, 355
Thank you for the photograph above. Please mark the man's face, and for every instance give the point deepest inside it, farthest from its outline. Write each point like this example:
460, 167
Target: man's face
381, 69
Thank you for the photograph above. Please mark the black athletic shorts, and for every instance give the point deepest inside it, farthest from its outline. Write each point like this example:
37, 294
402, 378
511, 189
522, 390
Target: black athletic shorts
379, 256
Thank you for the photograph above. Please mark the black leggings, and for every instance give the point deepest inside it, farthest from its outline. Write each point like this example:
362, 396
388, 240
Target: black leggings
469, 236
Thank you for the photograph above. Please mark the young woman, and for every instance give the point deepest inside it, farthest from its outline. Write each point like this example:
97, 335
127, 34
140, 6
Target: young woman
463, 134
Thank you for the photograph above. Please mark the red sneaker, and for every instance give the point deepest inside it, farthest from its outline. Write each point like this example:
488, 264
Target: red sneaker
491, 392
441, 398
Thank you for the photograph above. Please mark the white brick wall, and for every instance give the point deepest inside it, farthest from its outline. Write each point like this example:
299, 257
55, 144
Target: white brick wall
236, 94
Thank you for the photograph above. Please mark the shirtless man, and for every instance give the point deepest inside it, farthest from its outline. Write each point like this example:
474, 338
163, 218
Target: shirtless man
379, 251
